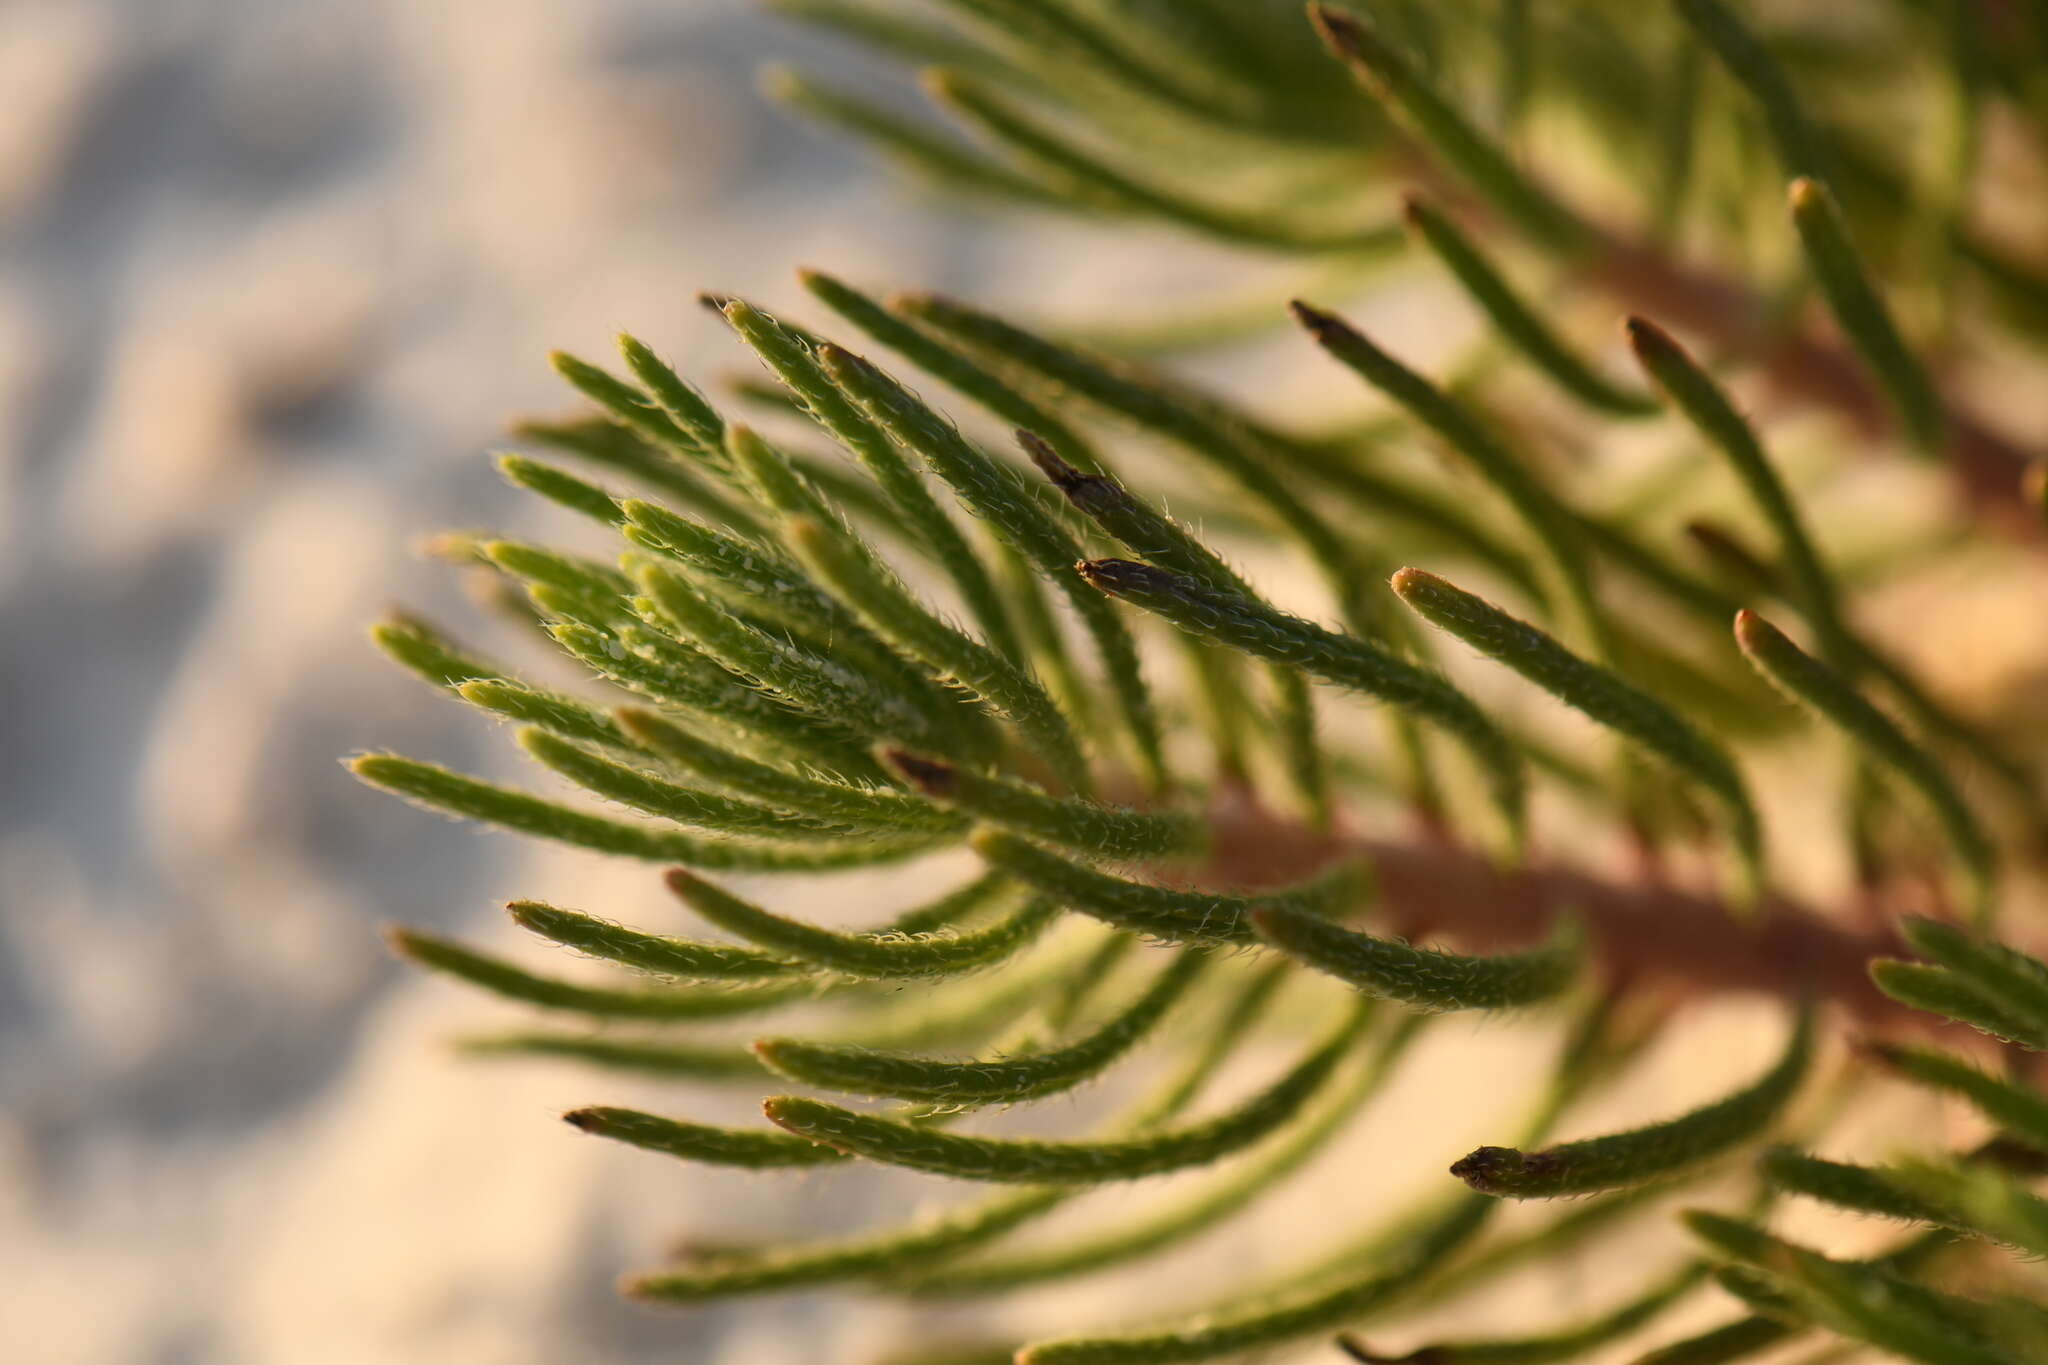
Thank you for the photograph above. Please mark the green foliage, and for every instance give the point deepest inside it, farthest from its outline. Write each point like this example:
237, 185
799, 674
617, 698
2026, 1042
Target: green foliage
1647, 1153
864, 632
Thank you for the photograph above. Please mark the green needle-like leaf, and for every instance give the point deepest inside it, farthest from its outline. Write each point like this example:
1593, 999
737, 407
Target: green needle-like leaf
764, 1150
693, 1061
1025, 1161
889, 954
832, 802
772, 588
688, 409
1937, 990
1730, 1341
1523, 328
628, 405
684, 805
452, 793
1751, 63
1572, 1343
1106, 833
500, 977
998, 494
797, 364
1865, 1189
1858, 1299
1157, 911
688, 959
424, 650
892, 1251
887, 606
944, 362
1437, 123
1553, 524
1091, 180
1160, 540
1822, 690
2020, 1110
1139, 1237
806, 679
943, 161
1862, 314
1346, 660
1594, 691
611, 446
1251, 459
764, 1270
1003, 1080
560, 486
563, 716
597, 586
1301, 1313
1707, 407
2016, 981
1986, 1202
1644, 1153
1421, 977
660, 668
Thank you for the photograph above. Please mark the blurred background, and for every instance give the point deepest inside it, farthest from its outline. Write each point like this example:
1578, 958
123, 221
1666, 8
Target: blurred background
274, 274
273, 277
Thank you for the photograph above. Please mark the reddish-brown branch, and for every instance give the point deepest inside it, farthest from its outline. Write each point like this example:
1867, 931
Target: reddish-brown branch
1643, 935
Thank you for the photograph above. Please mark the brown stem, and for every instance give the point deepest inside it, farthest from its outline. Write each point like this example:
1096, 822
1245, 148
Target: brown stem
1655, 936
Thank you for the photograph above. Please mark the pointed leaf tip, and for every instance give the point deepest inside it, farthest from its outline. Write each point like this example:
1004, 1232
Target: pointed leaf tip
1062, 475
928, 775
1336, 28
1407, 580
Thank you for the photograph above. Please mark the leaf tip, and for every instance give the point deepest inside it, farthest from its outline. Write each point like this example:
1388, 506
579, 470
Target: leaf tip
1336, 28
1062, 475
1409, 582
403, 942
1490, 1169
1647, 339
928, 775
1321, 325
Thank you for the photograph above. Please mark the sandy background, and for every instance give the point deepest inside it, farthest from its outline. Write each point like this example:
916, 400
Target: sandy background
272, 277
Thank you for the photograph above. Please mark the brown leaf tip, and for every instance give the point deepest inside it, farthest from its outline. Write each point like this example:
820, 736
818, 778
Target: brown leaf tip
1338, 29
400, 939
930, 776
1410, 581
1064, 476
1358, 1350
1645, 336
1489, 1170
1123, 575
1752, 632
1323, 326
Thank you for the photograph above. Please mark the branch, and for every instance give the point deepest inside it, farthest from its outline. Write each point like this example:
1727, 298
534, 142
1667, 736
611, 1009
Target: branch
1639, 933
